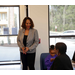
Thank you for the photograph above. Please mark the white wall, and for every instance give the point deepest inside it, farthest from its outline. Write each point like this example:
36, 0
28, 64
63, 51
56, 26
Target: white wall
22, 13
39, 15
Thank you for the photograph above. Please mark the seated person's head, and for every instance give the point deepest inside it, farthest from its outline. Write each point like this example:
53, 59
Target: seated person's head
52, 51
61, 48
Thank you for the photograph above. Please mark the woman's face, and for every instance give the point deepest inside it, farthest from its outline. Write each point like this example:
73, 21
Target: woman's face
56, 50
28, 24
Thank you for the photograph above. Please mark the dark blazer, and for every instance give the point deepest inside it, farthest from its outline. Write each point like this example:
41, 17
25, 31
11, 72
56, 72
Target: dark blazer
62, 62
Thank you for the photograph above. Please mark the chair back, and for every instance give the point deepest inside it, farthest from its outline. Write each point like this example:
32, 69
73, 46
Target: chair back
42, 61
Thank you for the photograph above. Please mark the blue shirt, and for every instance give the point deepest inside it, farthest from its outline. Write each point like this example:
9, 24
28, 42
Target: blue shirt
48, 63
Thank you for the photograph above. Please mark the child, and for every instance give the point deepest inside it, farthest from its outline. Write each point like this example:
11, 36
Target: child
50, 58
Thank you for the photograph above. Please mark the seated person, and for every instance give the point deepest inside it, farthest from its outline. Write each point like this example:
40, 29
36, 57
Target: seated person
50, 58
62, 61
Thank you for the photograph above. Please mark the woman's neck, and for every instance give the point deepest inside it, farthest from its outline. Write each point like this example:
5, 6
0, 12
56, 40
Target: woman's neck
27, 29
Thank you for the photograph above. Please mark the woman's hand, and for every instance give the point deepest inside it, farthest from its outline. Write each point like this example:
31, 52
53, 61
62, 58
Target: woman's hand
52, 59
27, 49
23, 49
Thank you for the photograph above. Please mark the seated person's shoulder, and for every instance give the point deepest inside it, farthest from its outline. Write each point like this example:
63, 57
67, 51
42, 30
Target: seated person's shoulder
57, 58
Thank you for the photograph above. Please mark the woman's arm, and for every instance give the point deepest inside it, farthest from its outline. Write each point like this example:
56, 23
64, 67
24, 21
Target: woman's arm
36, 41
18, 40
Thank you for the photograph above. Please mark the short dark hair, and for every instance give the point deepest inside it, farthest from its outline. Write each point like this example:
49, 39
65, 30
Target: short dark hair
24, 21
51, 47
61, 47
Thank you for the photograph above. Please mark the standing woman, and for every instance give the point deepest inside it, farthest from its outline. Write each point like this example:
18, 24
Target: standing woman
28, 40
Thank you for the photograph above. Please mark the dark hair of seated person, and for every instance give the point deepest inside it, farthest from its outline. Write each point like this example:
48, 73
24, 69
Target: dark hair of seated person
51, 47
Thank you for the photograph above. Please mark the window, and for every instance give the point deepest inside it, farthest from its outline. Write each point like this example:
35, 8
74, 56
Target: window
62, 19
3, 16
10, 19
62, 26
9, 50
9, 27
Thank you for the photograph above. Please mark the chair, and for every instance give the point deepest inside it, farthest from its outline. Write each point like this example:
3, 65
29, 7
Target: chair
42, 61
73, 58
